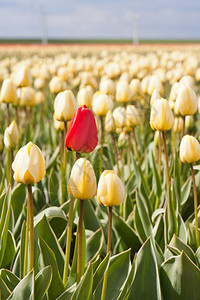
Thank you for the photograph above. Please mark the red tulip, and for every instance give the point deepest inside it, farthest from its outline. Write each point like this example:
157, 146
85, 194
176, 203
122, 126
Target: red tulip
82, 133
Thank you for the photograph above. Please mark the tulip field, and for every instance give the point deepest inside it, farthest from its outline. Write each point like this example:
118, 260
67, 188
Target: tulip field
100, 172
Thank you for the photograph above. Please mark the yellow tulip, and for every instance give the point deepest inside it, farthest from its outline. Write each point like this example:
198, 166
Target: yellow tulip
155, 96
110, 191
84, 97
82, 183
57, 85
119, 115
155, 83
161, 118
26, 96
109, 122
8, 92
132, 116
189, 149
11, 136
178, 124
101, 104
186, 102
64, 106
22, 77
29, 164
107, 86
123, 91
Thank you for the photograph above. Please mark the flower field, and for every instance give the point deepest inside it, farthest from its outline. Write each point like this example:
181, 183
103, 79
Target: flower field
99, 172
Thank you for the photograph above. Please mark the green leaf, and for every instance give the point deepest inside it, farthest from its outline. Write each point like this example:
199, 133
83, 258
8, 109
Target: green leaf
22, 248
18, 199
192, 236
180, 279
185, 191
51, 162
144, 216
4, 290
117, 274
126, 232
10, 279
42, 282
94, 245
146, 284
158, 185
72, 277
10, 250
181, 246
4, 223
92, 222
84, 288
197, 256
24, 289
56, 287
53, 187
44, 230
128, 283
100, 271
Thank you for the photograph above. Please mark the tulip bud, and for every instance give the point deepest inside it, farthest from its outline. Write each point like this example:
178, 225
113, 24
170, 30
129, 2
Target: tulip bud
82, 183
189, 121
189, 149
26, 96
39, 97
110, 191
39, 83
57, 124
186, 101
11, 136
132, 116
64, 106
82, 133
156, 138
135, 87
123, 92
161, 118
155, 96
155, 83
107, 86
84, 97
23, 77
57, 85
178, 124
122, 139
101, 104
109, 122
8, 92
119, 115
29, 164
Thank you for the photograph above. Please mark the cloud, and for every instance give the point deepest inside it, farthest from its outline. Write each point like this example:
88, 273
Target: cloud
100, 19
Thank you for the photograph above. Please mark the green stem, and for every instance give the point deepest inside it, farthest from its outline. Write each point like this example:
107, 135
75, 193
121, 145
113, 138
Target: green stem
8, 115
167, 165
31, 233
195, 206
26, 243
69, 237
159, 152
135, 144
80, 237
8, 166
183, 128
116, 153
101, 142
63, 164
105, 281
11, 171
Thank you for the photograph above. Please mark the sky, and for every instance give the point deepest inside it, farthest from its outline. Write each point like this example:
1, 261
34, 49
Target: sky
79, 19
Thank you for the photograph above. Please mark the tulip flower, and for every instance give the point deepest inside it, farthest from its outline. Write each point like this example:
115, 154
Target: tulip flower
186, 103
110, 192
162, 119
84, 97
8, 95
133, 120
123, 92
22, 77
82, 132
82, 185
64, 106
101, 104
57, 85
135, 87
155, 83
29, 168
190, 153
155, 96
11, 139
119, 115
107, 86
